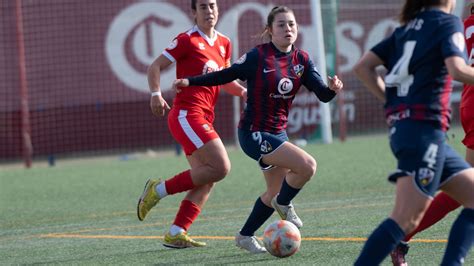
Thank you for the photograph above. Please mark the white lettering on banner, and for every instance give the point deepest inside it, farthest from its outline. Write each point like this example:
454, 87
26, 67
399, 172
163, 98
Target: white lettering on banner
348, 32
300, 116
305, 111
151, 27
143, 30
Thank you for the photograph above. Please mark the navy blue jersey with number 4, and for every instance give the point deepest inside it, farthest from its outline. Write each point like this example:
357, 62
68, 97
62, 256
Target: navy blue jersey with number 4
417, 83
273, 79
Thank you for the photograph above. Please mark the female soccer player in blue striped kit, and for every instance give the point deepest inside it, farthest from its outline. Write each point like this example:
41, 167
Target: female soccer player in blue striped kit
418, 56
274, 72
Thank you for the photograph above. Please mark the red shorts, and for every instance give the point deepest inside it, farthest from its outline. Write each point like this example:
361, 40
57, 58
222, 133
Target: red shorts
467, 121
192, 130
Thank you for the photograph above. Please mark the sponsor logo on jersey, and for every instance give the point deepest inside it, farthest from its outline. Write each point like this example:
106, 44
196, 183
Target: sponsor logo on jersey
268, 70
299, 69
426, 176
285, 86
210, 66
206, 127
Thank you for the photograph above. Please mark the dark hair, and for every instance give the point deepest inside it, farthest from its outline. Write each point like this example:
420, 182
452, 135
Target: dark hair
271, 17
193, 4
412, 7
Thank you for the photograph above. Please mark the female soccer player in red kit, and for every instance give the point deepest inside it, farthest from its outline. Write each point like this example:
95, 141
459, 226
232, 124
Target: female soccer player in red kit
443, 204
197, 51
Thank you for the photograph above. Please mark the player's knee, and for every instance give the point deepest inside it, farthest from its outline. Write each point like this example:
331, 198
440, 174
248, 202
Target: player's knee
308, 169
220, 170
409, 223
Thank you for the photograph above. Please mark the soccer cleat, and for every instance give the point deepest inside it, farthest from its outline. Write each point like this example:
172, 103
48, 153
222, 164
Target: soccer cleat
148, 199
287, 212
399, 253
181, 240
249, 243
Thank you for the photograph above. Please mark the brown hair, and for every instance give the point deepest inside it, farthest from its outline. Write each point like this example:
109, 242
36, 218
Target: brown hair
271, 17
412, 7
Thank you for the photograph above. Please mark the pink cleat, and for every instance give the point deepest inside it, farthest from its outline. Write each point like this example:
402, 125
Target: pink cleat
399, 253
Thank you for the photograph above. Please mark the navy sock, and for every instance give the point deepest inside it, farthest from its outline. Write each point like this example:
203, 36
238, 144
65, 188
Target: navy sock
259, 215
380, 243
287, 193
460, 239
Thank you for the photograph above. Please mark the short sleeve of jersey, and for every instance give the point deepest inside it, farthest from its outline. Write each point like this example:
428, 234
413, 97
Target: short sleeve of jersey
383, 48
453, 43
177, 48
246, 65
228, 52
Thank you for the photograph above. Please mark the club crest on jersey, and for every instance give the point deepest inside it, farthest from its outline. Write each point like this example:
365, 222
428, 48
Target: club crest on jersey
173, 44
285, 86
266, 147
426, 176
299, 69
241, 60
201, 46
222, 50
458, 40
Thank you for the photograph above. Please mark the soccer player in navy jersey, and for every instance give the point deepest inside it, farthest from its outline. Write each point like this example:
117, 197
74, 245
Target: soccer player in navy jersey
416, 90
443, 204
274, 72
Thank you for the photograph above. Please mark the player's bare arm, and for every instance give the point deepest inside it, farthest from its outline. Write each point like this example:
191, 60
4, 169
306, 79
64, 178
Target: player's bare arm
158, 104
234, 88
459, 70
365, 70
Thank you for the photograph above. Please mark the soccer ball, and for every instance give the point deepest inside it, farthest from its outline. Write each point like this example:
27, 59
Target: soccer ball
281, 238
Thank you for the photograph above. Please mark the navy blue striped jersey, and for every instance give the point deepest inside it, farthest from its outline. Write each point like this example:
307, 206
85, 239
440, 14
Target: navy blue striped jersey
417, 85
273, 79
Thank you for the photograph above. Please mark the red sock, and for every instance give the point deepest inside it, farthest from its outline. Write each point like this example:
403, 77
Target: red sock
188, 212
442, 204
179, 183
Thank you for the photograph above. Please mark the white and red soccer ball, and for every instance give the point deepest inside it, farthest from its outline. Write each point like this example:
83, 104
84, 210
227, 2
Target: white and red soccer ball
282, 238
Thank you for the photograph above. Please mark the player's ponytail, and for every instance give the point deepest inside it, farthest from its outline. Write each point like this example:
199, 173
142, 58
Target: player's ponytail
412, 7
409, 11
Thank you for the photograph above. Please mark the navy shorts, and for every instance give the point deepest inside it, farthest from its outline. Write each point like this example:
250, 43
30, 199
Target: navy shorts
423, 153
258, 143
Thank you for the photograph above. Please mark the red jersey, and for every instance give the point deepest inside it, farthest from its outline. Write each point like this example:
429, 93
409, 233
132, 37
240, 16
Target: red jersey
196, 54
467, 98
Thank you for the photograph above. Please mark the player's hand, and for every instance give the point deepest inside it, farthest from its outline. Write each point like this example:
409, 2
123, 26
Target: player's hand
335, 84
158, 105
244, 95
180, 83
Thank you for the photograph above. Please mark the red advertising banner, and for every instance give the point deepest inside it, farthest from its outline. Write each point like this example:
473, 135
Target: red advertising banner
86, 64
